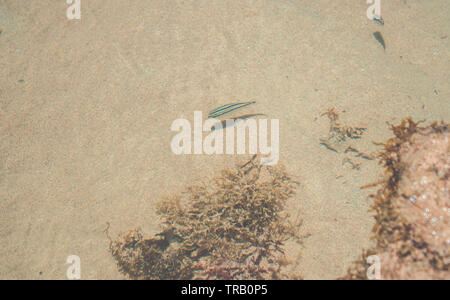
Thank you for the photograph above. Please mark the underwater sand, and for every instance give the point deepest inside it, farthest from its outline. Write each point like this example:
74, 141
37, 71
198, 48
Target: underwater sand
86, 109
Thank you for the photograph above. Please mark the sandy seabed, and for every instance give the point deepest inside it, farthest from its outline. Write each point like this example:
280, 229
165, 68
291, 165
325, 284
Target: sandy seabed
86, 108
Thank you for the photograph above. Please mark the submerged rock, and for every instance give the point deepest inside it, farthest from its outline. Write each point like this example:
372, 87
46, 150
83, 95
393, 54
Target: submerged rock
412, 207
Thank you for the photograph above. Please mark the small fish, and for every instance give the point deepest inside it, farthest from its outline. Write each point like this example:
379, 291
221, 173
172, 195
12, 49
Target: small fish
378, 19
377, 35
228, 108
225, 124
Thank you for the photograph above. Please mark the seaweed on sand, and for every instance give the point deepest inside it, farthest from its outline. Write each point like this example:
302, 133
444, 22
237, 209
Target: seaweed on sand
233, 228
340, 137
339, 131
339, 134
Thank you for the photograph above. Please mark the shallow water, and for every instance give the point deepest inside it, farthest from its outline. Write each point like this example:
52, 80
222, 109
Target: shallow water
87, 106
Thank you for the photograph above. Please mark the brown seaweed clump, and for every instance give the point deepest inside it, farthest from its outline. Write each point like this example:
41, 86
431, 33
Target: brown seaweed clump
340, 139
412, 208
233, 228
340, 132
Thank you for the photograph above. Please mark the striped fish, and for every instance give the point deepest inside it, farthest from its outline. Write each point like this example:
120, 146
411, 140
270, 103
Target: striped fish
228, 108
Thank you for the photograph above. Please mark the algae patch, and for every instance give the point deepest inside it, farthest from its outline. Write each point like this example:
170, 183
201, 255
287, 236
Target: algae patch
231, 228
